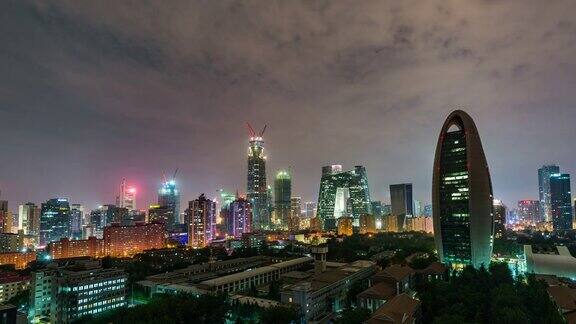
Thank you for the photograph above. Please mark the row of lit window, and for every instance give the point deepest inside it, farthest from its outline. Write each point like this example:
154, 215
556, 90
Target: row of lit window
101, 309
101, 303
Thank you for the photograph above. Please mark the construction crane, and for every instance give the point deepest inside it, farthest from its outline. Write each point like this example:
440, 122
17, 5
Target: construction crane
252, 132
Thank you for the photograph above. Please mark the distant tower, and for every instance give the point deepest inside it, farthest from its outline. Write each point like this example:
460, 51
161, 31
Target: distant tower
257, 190
462, 195
169, 198
402, 203
282, 194
544, 174
560, 201
127, 198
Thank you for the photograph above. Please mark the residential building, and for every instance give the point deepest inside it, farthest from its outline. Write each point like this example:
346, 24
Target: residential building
20, 260
11, 284
126, 240
367, 224
66, 248
240, 217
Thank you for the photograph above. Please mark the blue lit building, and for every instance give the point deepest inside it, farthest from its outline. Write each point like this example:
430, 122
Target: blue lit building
55, 222
560, 201
169, 199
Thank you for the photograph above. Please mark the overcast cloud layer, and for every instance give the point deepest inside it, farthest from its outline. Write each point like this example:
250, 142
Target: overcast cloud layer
94, 91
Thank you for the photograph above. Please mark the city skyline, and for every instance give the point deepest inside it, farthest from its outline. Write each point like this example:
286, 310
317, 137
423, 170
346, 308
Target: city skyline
65, 132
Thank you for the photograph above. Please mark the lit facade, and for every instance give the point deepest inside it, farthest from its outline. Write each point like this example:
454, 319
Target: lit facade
54, 220
462, 196
5, 217
295, 214
64, 293
560, 201
202, 224
544, 174
402, 203
257, 190
19, 259
127, 240
343, 193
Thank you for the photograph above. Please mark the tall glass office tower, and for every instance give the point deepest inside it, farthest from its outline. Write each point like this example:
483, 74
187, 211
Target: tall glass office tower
462, 195
560, 201
54, 220
544, 174
257, 190
343, 193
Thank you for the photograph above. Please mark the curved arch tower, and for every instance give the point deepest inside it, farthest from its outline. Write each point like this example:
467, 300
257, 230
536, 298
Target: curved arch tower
462, 199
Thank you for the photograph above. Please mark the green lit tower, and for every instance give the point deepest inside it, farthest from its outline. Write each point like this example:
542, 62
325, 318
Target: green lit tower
343, 194
462, 197
282, 194
257, 190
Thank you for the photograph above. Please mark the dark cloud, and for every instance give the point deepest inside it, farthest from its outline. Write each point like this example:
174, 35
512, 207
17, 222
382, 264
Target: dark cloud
91, 92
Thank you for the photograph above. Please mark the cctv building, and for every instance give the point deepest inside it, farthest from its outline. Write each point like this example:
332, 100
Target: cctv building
343, 194
462, 195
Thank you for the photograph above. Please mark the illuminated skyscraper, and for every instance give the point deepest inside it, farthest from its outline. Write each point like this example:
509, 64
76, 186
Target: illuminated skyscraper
462, 195
282, 195
560, 201
240, 213
343, 193
127, 198
169, 198
402, 203
544, 174
29, 219
499, 218
257, 190
54, 220
202, 221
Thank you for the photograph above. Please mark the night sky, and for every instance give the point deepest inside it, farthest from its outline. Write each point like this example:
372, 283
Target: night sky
94, 91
